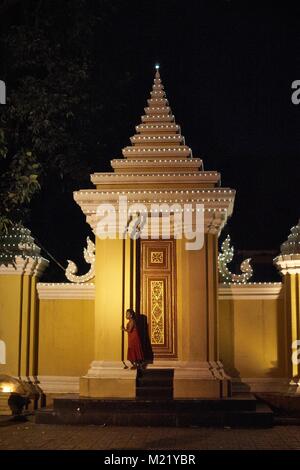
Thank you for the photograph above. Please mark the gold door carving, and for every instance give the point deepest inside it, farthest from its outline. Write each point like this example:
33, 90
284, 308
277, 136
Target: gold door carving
158, 270
157, 312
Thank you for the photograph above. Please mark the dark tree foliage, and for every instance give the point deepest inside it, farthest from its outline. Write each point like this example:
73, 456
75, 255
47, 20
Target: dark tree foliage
19, 182
48, 70
53, 126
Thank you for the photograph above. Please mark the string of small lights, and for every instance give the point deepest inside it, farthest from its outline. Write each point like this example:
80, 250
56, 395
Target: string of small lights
225, 257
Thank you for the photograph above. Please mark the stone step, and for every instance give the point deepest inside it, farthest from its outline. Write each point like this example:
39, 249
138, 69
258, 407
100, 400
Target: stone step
245, 403
262, 416
156, 372
154, 392
155, 383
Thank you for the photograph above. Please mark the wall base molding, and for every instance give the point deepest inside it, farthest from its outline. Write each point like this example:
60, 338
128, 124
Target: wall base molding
260, 384
58, 384
66, 384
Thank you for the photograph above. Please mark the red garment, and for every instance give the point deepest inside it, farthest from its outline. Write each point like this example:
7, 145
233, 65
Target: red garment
135, 352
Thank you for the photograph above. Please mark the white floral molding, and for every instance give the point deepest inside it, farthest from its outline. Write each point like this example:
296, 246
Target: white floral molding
226, 255
89, 256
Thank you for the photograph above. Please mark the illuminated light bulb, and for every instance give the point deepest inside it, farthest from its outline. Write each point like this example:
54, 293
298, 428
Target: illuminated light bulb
7, 388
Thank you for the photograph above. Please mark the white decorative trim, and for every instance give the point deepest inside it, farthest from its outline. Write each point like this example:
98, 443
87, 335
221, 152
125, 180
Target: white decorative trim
66, 291
192, 369
90, 258
251, 291
58, 384
36, 266
40, 267
66, 384
288, 264
18, 267
218, 203
110, 370
87, 291
25, 265
139, 180
225, 257
213, 223
163, 163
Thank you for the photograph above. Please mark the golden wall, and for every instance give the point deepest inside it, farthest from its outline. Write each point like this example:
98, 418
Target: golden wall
196, 304
66, 337
11, 287
252, 328
252, 331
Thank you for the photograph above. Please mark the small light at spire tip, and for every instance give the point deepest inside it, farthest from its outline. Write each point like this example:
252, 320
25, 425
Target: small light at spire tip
157, 66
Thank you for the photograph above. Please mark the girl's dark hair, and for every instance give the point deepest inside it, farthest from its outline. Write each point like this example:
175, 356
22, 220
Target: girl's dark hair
132, 312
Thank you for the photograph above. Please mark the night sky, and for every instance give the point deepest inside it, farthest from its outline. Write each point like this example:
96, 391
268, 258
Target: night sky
227, 67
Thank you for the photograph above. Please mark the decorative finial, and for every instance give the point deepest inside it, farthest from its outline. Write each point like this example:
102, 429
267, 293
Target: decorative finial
157, 75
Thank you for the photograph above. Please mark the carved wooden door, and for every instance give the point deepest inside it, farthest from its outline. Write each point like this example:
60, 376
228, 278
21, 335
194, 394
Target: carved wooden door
158, 292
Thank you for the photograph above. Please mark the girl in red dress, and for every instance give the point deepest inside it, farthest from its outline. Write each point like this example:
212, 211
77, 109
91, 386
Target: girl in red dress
135, 353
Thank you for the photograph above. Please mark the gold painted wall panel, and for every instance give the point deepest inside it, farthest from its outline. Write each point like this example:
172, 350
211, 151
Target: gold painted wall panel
10, 315
66, 337
252, 337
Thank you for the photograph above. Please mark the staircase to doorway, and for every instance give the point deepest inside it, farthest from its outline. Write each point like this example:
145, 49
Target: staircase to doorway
154, 383
154, 405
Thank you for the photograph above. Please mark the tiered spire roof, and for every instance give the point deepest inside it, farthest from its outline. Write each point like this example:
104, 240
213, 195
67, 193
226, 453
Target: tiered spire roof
159, 167
158, 135
288, 261
292, 245
157, 149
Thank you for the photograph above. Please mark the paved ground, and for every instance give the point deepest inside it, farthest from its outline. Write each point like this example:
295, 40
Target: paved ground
32, 436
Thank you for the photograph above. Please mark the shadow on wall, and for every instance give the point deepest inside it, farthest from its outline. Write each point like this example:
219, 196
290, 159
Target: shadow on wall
226, 338
142, 326
283, 365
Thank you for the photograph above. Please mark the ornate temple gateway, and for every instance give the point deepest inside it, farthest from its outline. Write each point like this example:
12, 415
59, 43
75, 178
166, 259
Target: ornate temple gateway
204, 338
175, 288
